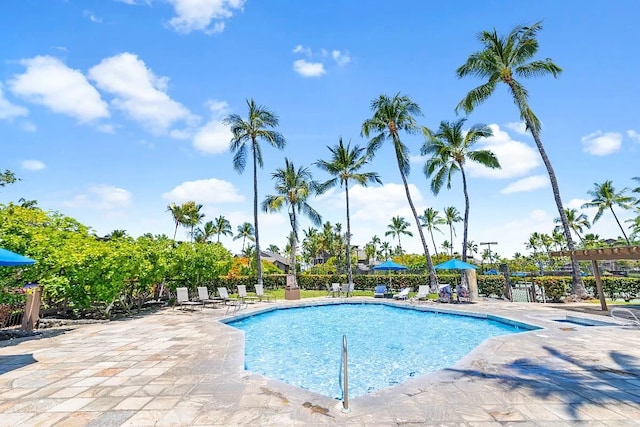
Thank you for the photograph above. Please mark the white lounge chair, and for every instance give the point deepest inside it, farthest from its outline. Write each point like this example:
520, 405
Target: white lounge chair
335, 289
242, 294
423, 293
403, 294
344, 289
261, 295
234, 303
203, 296
182, 298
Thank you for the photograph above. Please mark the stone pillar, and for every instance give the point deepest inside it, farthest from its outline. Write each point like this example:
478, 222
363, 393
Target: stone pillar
32, 309
291, 291
472, 283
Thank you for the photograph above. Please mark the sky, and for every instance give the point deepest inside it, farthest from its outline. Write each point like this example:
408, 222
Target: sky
111, 109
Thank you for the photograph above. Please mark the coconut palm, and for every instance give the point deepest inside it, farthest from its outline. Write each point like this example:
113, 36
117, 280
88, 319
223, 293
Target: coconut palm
635, 225
431, 220
192, 216
246, 231
344, 166
450, 148
293, 188
246, 136
472, 247
502, 60
178, 216
375, 241
577, 222
451, 216
222, 226
206, 232
446, 246
385, 249
605, 197
390, 117
397, 227
274, 249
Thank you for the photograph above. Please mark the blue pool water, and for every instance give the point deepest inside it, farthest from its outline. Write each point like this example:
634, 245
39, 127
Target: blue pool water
387, 345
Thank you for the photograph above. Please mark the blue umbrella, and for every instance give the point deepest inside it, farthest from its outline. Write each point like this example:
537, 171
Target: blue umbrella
389, 265
8, 258
455, 264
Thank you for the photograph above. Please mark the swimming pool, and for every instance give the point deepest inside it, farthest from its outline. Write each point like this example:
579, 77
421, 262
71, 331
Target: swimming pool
387, 345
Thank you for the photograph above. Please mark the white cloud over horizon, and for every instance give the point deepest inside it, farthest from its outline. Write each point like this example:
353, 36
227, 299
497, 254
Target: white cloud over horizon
33, 165
100, 197
214, 136
49, 82
599, 143
529, 183
211, 190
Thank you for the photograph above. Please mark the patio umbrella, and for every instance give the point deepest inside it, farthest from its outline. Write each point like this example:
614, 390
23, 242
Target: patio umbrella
390, 265
455, 264
8, 258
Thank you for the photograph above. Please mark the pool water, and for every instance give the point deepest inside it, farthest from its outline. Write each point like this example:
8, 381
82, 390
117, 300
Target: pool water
387, 345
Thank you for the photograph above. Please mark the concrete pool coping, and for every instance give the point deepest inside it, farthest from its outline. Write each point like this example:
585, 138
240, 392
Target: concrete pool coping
177, 367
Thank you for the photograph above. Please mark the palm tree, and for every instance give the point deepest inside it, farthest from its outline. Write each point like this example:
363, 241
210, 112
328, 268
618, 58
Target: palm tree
446, 246
222, 226
192, 216
451, 216
293, 189
430, 220
472, 247
635, 225
397, 227
178, 216
605, 197
501, 60
385, 249
592, 241
273, 249
345, 165
246, 231
116, 234
375, 241
246, 136
206, 232
450, 148
390, 116
577, 222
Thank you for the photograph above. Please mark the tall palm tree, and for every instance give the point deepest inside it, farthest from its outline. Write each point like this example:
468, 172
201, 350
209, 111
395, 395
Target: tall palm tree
397, 227
344, 166
375, 241
178, 216
273, 249
206, 232
450, 147
431, 220
446, 246
472, 247
451, 216
246, 231
192, 216
390, 117
577, 222
293, 189
635, 225
605, 197
502, 60
246, 136
385, 249
222, 226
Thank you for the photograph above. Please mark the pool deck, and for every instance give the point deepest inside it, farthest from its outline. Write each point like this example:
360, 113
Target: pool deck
184, 368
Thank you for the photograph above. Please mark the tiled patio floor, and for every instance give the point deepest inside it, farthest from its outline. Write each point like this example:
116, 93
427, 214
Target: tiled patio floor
184, 368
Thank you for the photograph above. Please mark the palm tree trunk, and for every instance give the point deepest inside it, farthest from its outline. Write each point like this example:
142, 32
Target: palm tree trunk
578, 288
255, 212
349, 273
451, 241
435, 248
620, 225
466, 214
175, 232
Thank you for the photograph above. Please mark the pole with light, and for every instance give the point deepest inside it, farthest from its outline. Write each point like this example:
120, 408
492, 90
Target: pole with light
489, 247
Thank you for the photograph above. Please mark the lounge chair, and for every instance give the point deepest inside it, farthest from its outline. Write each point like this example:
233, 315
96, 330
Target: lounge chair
423, 293
403, 294
335, 289
242, 294
234, 303
182, 298
204, 298
444, 293
380, 291
261, 295
462, 293
345, 289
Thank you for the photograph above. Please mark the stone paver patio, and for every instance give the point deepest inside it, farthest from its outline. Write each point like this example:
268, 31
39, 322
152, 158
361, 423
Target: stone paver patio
185, 368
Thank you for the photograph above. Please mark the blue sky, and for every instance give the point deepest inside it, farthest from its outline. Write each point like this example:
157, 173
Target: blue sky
110, 110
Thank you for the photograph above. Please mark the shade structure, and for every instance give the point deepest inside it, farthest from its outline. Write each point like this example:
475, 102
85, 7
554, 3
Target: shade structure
390, 265
8, 258
455, 264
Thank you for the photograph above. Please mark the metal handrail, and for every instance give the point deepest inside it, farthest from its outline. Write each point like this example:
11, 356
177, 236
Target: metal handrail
631, 321
345, 378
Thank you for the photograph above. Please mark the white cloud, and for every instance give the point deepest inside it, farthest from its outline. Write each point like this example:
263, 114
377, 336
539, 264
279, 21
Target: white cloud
8, 110
205, 191
601, 144
516, 158
526, 184
92, 17
49, 82
197, 15
138, 92
340, 57
301, 49
633, 135
518, 127
101, 197
214, 137
33, 165
308, 69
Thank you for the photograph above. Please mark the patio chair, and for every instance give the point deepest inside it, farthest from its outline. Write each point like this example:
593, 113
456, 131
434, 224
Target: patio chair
234, 303
242, 294
444, 292
423, 293
462, 293
204, 298
261, 295
380, 291
335, 289
182, 298
403, 294
344, 289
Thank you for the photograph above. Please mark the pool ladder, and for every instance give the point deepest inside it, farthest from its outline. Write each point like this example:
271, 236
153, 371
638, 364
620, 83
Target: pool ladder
628, 317
345, 378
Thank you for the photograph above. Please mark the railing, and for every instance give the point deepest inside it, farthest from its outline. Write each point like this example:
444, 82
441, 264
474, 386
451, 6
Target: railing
345, 378
630, 318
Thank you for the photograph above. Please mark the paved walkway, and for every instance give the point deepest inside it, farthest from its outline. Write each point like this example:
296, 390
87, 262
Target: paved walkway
184, 368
